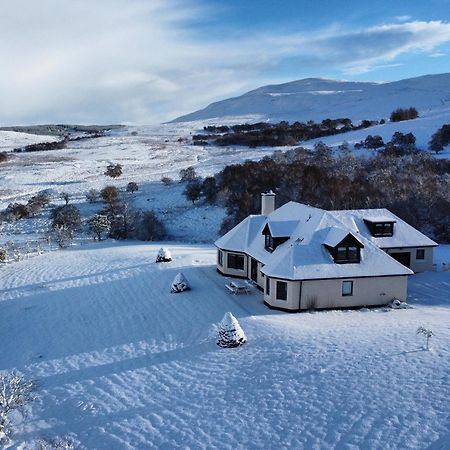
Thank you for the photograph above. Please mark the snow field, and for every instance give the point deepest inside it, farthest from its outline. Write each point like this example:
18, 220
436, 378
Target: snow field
122, 363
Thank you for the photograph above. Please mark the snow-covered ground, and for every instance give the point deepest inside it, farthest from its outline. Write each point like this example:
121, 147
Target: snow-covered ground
124, 364
9, 140
154, 152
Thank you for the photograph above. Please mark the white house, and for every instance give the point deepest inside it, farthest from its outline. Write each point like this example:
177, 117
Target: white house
304, 257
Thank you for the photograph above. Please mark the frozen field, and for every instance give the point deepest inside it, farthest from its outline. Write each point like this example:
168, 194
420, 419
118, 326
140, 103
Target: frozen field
124, 364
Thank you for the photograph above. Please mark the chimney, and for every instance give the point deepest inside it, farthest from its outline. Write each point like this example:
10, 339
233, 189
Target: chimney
267, 203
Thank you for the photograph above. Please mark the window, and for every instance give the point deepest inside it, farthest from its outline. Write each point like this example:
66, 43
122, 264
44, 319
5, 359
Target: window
267, 286
383, 229
347, 288
235, 261
220, 257
269, 242
281, 290
347, 254
420, 253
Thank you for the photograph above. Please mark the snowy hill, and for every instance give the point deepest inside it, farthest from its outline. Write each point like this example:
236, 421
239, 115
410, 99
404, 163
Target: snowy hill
9, 140
317, 99
124, 364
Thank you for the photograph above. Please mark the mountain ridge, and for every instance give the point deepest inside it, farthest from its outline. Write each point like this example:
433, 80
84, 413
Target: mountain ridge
320, 98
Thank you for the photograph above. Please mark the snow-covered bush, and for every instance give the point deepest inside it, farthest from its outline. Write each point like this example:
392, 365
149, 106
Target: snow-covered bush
15, 393
179, 284
167, 181
114, 170
98, 225
427, 333
3, 255
230, 332
163, 255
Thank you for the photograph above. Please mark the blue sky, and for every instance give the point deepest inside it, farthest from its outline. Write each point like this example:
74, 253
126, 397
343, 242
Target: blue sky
146, 61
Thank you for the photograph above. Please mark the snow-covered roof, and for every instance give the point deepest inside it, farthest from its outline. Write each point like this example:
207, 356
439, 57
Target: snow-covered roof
281, 228
336, 235
305, 256
380, 219
404, 234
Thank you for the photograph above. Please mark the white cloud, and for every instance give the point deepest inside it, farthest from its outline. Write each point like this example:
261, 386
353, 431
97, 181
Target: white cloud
144, 61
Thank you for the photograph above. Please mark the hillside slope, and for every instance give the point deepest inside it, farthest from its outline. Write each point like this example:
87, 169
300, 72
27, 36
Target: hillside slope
317, 99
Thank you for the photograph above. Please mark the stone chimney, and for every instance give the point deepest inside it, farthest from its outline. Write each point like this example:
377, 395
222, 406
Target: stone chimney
267, 203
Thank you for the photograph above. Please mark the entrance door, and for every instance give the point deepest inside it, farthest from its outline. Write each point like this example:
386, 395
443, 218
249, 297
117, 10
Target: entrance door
254, 270
403, 258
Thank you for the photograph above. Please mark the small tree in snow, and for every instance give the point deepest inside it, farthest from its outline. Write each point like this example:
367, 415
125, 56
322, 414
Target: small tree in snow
193, 190
66, 197
15, 393
230, 332
92, 195
163, 255
180, 284
114, 170
427, 333
3, 255
132, 187
98, 225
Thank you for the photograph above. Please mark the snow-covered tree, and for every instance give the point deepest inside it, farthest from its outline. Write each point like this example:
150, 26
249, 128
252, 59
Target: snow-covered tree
15, 393
180, 284
99, 224
230, 332
61, 235
163, 255
427, 333
3, 255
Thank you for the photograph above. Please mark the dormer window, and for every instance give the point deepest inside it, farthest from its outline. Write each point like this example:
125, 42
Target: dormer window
343, 246
276, 233
347, 254
381, 226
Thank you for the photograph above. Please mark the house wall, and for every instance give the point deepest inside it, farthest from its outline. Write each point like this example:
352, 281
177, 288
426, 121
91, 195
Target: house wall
233, 272
293, 295
417, 265
366, 292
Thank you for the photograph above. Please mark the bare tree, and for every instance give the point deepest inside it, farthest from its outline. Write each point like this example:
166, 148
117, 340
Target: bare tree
99, 224
66, 197
15, 393
92, 195
427, 333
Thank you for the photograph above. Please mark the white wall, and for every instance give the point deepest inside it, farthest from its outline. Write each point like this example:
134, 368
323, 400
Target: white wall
233, 272
416, 265
366, 292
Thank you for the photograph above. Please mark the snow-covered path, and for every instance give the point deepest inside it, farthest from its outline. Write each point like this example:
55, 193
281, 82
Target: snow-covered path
124, 364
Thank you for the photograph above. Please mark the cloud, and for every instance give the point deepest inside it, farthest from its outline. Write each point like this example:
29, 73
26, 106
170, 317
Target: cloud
143, 62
